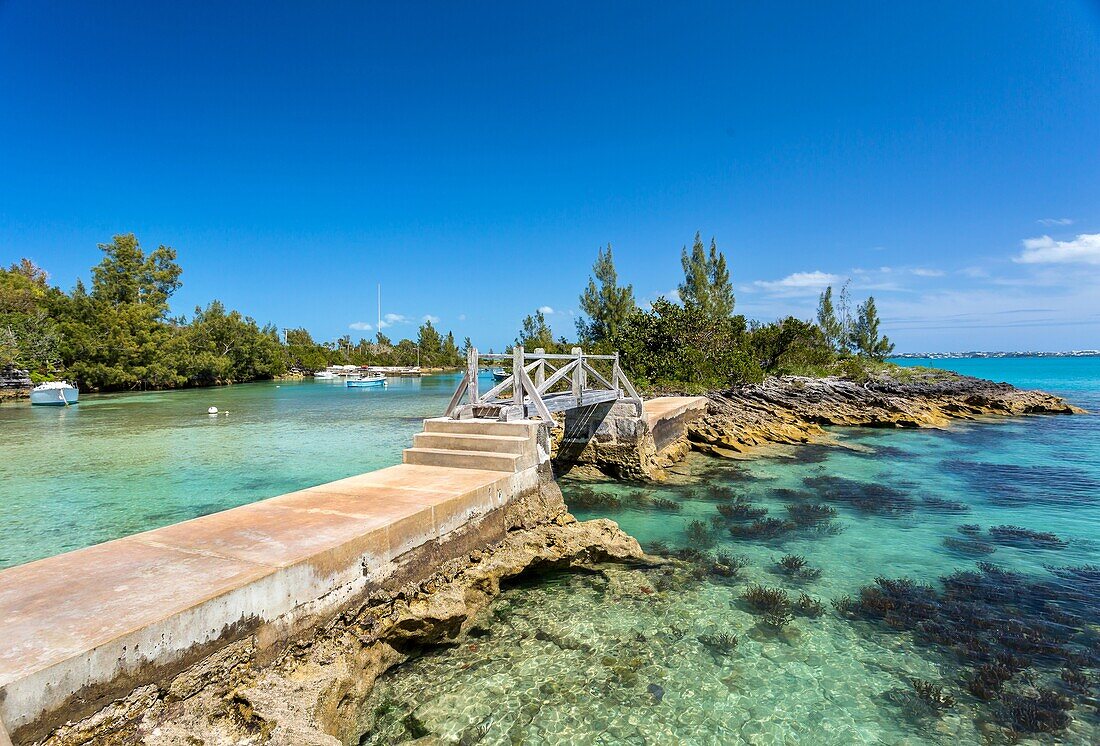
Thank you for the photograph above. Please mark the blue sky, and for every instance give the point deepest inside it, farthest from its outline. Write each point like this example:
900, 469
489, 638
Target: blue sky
471, 157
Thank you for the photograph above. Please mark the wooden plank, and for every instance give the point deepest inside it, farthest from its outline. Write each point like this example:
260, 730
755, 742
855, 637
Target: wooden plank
471, 374
561, 373
578, 374
599, 377
458, 395
517, 376
564, 401
540, 369
495, 391
529, 385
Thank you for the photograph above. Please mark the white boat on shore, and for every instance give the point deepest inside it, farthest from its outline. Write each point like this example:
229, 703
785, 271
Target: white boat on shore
55, 394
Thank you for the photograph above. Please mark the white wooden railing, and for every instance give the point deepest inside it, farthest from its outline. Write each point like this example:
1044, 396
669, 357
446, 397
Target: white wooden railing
531, 383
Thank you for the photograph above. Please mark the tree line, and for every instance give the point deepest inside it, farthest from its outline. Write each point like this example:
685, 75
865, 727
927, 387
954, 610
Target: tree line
118, 334
700, 343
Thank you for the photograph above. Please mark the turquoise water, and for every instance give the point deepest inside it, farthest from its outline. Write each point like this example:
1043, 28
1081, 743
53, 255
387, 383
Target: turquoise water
634, 656
117, 464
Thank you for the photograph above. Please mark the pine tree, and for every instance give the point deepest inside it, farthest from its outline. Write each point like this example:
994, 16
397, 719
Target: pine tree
865, 332
695, 289
535, 333
844, 317
828, 322
721, 289
706, 286
429, 342
607, 305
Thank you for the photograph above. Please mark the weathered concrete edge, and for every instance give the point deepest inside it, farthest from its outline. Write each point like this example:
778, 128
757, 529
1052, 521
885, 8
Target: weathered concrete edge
82, 684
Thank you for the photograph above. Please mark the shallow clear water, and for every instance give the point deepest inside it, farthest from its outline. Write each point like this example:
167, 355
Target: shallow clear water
617, 658
117, 464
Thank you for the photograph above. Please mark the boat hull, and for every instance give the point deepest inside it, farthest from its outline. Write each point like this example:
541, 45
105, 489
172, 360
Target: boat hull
55, 397
367, 384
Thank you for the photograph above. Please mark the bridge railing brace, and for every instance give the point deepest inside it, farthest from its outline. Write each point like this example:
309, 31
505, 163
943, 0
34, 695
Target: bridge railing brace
533, 376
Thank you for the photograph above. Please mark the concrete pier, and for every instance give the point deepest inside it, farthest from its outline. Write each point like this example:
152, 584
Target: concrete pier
82, 629
614, 438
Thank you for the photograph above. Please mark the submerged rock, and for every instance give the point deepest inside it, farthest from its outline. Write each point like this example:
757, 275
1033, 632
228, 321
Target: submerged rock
657, 691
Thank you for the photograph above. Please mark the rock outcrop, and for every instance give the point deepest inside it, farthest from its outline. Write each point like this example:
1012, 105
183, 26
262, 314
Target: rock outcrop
312, 689
796, 409
14, 383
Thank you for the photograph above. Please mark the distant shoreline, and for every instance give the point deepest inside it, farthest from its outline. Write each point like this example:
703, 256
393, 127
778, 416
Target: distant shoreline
992, 355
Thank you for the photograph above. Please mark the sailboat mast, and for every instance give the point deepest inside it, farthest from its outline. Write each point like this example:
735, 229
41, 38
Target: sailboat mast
379, 327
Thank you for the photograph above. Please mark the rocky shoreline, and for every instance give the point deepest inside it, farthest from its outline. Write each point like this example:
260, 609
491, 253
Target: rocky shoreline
791, 410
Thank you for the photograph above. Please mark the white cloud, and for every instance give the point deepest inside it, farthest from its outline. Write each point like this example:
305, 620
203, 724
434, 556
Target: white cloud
1084, 249
462, 317
546, 310
1055, 221
360, 326
391, 319
429, 317
925, 272
800, 283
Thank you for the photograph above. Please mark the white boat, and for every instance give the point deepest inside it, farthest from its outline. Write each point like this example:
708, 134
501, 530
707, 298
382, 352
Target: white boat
55, 393
500, 374
324, 375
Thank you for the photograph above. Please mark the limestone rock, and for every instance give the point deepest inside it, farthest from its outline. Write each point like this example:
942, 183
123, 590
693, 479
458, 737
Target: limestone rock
795, 409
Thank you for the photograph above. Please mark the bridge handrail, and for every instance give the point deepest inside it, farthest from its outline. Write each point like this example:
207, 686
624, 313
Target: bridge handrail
530, 384
544, 356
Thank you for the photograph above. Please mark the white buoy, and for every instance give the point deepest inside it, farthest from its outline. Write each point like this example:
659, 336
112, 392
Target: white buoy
212, 410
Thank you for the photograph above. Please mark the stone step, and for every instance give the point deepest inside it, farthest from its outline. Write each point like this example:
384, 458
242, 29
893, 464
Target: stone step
480, 427
510, 462
520, 444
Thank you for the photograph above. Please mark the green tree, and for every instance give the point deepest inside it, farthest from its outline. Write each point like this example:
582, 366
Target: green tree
536, 333
303, 353
831, 326
695, 289
222, 346
29, 336
685, 349
607, 305
706, 284
790, 346
721, 289
844, 317
126, 276
865, 333
430, 343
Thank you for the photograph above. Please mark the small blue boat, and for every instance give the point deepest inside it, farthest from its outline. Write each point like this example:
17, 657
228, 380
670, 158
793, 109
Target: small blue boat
367, 382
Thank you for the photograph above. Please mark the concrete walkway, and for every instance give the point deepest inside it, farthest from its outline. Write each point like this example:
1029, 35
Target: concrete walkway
91, 615
82, 628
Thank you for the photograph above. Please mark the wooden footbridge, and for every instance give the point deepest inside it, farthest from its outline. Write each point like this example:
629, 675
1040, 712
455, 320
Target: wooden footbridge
541, 384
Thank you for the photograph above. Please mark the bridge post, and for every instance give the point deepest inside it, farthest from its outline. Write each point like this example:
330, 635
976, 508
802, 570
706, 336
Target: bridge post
517, 378
578, 373
540, 370
471, 373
